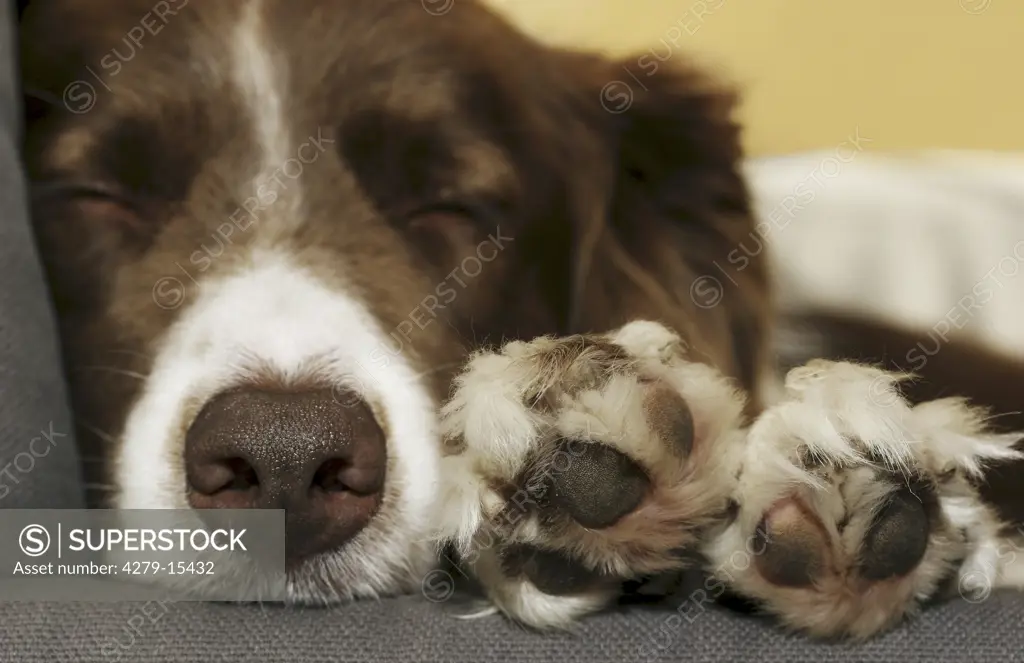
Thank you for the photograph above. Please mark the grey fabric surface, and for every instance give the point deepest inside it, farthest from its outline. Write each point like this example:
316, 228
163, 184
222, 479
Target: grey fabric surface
32, 400
412, 629
33, 404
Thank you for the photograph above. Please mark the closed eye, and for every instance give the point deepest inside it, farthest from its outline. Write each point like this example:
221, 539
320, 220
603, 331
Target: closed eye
447, 231
62, 190
88, 200
482, 215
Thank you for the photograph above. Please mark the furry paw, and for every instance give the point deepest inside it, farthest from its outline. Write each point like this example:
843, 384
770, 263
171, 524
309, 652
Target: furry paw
575, 464
852, 507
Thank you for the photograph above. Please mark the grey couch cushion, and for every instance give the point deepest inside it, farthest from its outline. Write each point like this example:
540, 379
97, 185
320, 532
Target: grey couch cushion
412, 629
32, 397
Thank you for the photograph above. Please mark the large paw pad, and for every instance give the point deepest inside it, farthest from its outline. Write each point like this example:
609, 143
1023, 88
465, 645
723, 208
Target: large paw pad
599, 487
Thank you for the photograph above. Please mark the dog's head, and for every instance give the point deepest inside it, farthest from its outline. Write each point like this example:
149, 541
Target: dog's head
274, 228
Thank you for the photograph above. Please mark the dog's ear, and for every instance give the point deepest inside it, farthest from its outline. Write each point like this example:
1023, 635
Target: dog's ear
668, 232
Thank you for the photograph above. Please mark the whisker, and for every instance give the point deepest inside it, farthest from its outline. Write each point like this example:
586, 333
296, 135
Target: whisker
43, 95
988, 419
106, 437
437, 369
132, 353
113, 369
101, 487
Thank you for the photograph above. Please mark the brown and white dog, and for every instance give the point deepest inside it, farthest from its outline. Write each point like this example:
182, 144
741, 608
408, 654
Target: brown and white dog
400, 272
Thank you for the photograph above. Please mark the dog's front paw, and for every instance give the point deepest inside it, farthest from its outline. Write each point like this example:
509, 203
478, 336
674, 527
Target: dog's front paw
853, 507
575, 464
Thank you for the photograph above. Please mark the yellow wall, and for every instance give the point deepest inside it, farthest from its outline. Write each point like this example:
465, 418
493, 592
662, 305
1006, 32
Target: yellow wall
908, 73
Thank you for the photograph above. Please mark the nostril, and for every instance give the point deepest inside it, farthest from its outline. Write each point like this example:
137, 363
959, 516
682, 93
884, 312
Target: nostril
243, 475
231, 483
217, 475
328, 477
337, 475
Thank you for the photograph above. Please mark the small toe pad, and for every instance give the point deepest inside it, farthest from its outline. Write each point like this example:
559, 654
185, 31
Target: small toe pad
791, 546
897, 539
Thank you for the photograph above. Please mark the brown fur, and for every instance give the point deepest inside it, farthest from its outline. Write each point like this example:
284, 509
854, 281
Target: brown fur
446, 131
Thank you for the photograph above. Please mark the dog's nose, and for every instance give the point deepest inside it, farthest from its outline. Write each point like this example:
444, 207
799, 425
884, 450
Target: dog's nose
320, 455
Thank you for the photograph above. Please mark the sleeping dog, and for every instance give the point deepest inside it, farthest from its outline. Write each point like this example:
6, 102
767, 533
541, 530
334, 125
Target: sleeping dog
415, 278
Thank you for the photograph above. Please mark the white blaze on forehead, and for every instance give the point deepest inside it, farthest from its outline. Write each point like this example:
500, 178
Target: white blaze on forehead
261, 78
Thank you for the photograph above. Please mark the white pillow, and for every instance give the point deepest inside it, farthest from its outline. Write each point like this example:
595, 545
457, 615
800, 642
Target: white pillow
931, 240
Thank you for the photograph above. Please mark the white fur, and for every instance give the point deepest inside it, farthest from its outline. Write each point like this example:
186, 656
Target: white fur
486, 411
487, 407
258, 75
521, 600
837, 409
643, 338
279, 315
